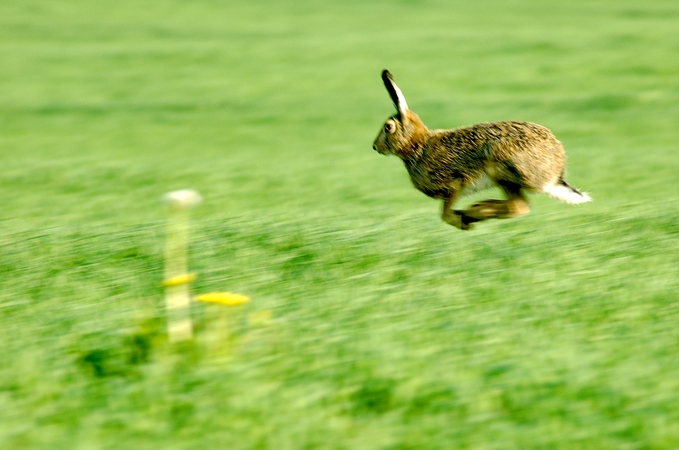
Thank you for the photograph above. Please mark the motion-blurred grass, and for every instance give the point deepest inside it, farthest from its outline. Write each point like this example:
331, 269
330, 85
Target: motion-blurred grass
373, 324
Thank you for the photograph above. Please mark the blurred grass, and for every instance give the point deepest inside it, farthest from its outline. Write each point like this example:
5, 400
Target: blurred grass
388, 328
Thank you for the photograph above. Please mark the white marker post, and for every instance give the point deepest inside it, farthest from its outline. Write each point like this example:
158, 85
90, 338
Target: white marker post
177, 277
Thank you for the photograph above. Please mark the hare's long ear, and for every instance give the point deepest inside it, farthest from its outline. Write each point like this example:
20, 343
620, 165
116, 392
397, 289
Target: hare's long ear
395, 94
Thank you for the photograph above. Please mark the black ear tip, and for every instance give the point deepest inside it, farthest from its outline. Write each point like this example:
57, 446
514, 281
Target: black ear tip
386, 75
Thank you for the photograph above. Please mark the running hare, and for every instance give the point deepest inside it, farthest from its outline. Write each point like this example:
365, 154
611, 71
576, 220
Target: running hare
518, 157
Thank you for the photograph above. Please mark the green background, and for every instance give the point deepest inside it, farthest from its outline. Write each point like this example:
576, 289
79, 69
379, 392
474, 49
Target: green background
373, 324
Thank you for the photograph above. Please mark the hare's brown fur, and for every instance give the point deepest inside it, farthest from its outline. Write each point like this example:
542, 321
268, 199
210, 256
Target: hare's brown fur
447, 164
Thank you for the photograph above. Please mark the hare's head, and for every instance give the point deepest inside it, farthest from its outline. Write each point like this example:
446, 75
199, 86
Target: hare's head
402, 131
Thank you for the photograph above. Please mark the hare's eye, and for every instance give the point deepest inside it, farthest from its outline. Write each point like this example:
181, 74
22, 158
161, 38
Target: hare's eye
389, 127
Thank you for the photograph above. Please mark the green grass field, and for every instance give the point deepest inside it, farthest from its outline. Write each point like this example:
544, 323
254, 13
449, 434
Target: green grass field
373, 324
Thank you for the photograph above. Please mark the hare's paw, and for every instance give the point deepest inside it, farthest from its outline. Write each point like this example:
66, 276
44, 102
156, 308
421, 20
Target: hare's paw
459, 220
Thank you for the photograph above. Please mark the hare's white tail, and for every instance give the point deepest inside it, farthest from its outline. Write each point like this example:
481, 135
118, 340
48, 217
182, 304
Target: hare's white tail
566, 193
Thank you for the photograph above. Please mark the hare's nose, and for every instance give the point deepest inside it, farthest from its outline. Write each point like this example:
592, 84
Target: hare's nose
374, 147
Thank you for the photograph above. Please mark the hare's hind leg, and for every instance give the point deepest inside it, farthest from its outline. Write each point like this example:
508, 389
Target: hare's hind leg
516, 205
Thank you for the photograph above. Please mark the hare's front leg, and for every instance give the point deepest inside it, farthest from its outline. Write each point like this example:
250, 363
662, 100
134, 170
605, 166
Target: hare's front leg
453, 217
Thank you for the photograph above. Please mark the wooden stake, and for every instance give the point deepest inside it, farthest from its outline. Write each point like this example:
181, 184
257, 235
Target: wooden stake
177, 277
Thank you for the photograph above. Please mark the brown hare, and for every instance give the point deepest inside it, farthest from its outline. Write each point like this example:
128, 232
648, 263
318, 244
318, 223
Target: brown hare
518, 157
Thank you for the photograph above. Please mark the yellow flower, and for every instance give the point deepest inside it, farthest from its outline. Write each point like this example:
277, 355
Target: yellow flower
179, 280
224, 298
